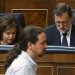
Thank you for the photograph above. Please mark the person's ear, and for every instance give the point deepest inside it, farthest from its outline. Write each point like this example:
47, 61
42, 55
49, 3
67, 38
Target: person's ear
30, 45
72, 18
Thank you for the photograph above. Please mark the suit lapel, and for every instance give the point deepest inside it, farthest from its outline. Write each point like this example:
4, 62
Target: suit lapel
72, 38
57, 38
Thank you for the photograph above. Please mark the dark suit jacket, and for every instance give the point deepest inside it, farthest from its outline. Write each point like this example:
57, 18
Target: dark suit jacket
53, 36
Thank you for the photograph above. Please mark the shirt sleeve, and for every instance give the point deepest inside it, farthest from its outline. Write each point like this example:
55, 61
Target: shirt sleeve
23, 71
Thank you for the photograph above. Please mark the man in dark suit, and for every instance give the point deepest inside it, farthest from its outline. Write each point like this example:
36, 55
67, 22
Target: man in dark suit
63, 17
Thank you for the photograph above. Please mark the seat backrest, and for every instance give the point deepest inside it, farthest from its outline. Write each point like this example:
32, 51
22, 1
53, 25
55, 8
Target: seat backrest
18, 16
73, 17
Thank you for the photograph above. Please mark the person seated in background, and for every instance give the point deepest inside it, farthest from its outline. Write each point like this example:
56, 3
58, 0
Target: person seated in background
9, 30
21, 60
63, 29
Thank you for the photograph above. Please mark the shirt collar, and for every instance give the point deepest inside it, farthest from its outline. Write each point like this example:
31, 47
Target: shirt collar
25, 55
69, 31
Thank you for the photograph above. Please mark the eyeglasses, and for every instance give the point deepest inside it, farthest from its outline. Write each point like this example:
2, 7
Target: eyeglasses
59, 22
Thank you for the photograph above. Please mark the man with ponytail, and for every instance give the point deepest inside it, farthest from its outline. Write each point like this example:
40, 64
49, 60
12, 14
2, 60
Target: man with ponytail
21, 60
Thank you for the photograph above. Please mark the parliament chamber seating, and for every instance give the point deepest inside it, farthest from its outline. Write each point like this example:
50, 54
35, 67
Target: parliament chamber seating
58, 60
19, 16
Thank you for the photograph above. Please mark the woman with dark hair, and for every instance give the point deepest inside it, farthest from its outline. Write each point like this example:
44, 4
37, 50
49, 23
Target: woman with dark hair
9, 30
21, 59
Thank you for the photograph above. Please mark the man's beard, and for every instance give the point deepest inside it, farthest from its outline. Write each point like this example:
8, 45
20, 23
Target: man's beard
66, 30
39, 55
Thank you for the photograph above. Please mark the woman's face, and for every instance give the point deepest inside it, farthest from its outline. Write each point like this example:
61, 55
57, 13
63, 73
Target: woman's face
8, 36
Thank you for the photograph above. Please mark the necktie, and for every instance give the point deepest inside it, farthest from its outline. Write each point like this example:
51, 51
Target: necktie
64, 40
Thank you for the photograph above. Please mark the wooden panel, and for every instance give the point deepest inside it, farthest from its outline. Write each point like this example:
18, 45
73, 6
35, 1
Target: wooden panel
2, 6
31, 4
66, 71
57, 58
37, 4
69, 2
2, 70
50, 64
45, 70
2, 60
38, 17
64, 58
3, 56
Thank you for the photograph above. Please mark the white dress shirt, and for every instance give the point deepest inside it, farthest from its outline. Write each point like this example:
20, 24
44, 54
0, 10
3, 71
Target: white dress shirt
67, 36
22, 65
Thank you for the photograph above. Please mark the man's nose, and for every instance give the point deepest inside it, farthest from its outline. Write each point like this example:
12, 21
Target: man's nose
61, 25
45, 45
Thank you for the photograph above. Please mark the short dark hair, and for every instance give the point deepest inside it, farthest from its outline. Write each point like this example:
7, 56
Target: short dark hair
61, 8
